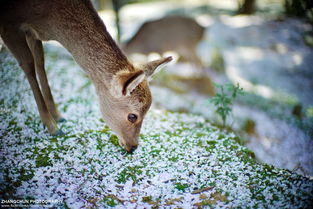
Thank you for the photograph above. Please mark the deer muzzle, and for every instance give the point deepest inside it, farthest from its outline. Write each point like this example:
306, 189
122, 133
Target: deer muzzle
129, 147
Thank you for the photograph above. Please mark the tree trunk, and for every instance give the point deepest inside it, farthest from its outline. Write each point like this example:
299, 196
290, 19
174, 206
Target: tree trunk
117, 4
248, 7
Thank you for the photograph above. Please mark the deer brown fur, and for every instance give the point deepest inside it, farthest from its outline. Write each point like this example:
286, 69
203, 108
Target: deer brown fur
123, 89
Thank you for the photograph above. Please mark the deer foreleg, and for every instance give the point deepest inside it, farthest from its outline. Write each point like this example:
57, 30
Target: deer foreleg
15, 40
38, 54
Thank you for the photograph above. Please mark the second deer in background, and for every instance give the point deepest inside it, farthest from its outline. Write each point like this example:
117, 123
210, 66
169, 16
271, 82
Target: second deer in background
173, 33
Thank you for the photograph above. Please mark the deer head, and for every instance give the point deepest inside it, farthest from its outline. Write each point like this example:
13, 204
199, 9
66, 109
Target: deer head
127, 101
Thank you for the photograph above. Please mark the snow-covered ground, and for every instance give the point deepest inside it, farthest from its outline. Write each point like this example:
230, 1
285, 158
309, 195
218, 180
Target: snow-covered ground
270, 59
275, 141
182, 161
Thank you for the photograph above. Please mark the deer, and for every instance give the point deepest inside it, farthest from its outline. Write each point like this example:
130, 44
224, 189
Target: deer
170, 33
122, 88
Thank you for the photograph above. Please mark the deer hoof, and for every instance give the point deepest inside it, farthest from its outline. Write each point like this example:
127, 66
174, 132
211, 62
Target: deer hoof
58, 132
61, 120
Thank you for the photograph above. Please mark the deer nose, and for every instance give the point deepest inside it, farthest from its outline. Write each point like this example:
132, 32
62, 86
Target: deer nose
132, 149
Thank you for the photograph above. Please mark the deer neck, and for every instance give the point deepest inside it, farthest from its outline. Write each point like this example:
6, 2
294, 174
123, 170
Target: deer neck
96, 52
89, 42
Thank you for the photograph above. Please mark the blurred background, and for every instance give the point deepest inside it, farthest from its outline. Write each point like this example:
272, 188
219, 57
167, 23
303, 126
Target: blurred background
262, 46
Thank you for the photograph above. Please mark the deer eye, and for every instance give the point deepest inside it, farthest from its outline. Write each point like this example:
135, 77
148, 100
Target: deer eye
132, 117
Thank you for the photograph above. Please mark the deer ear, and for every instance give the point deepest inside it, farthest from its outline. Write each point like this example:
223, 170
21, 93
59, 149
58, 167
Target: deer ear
151, 67
125, 82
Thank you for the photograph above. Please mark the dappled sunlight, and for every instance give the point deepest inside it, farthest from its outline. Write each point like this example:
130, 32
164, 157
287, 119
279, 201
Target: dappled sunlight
267, 92
266, 142
205, 20
148, 10
297, 58
241, 21
249, 53
225, 4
